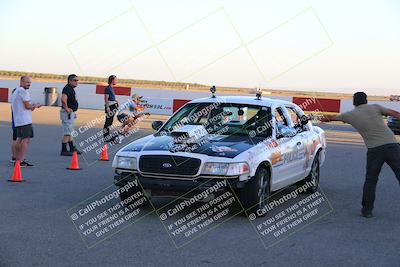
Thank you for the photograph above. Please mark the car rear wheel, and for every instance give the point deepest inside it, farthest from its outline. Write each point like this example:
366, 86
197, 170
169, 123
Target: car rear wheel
255, 194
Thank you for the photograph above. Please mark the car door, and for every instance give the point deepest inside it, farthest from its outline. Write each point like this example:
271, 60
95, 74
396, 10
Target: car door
302, 140
283, 165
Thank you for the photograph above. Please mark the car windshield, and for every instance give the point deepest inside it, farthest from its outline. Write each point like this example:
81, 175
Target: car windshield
223, 119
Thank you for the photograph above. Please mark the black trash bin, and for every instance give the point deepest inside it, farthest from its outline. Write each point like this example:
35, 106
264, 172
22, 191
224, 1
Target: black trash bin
51, 96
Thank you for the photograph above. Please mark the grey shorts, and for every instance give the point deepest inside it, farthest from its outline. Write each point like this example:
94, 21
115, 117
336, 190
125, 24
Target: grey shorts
68, 121
25, 131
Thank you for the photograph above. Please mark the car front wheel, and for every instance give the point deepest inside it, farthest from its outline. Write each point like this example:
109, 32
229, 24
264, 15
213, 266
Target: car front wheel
255, 194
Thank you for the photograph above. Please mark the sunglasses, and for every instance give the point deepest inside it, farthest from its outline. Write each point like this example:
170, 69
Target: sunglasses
75, 80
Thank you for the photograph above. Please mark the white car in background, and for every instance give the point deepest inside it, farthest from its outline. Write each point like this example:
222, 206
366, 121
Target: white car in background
258, 145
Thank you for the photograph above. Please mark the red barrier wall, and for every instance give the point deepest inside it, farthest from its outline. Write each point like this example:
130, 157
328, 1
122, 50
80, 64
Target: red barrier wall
318, 104
119, 90
3, 94
179, 103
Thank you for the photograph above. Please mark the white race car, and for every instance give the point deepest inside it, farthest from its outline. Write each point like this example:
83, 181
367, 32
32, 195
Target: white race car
258, 145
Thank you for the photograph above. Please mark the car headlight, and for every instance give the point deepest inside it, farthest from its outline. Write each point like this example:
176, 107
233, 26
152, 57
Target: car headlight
125, 163
215, 168
229, 169
238, 168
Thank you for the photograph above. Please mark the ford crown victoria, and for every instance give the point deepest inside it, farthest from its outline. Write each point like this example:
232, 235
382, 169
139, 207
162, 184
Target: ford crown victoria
258, 145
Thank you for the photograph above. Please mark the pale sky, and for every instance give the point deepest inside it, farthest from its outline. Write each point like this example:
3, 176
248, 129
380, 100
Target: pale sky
316, 45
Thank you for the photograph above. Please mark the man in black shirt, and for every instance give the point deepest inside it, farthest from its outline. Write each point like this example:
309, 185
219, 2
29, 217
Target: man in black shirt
68, 115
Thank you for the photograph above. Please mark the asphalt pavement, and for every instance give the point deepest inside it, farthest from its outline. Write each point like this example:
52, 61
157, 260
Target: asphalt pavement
36, 228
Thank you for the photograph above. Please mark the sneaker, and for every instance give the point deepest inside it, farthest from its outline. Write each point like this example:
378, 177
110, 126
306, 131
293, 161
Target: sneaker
77, 151
26, 164
117, 140
109, 140
66, 153
12, 161
366, 213
112, 140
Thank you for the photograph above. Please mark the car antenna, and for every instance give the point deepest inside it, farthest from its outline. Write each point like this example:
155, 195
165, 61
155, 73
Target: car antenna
258, 93
213, 90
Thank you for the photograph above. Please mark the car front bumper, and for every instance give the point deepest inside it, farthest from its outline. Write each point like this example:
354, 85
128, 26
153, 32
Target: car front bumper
157, 184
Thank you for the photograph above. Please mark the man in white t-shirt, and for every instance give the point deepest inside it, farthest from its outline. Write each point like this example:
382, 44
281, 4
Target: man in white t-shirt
22, 113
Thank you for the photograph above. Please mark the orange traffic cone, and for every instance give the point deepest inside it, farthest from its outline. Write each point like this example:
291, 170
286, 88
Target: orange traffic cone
74, 162
104, 154
17, 176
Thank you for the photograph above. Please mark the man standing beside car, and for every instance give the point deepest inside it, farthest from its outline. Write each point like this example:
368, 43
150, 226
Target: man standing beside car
110, 107
68, 115
379, 139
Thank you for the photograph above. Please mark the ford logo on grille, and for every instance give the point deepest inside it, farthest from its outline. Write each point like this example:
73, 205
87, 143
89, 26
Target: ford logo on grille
167, 165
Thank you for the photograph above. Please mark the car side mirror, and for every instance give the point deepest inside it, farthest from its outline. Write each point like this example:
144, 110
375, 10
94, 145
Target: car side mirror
304, 120
156, 125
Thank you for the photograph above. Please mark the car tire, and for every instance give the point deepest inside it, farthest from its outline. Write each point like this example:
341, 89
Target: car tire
313, 177
256, 192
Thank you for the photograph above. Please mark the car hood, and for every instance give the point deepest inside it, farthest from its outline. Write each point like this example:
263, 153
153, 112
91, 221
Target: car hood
228, 146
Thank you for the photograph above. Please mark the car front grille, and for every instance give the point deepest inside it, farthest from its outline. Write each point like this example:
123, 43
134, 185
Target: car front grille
170, 165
